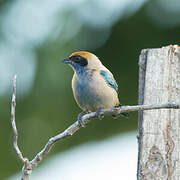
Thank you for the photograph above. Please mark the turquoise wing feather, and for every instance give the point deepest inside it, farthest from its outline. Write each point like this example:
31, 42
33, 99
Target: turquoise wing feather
109, 79
112, 82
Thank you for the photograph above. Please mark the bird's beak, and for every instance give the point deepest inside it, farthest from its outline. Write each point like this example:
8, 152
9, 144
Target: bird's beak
66, 60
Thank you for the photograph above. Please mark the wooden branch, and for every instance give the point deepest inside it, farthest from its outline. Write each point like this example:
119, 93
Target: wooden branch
29, 165
86, 118
159, 135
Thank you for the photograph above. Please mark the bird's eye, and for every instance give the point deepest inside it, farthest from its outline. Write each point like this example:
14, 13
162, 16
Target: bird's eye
77, 58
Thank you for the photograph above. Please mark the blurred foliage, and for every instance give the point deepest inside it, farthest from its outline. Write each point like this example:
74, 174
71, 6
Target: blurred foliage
49, 108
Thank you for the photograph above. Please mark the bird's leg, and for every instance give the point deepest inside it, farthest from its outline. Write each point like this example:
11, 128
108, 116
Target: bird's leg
81, 124
100, 114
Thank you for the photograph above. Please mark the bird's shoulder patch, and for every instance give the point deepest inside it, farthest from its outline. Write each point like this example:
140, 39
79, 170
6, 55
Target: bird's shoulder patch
109, 79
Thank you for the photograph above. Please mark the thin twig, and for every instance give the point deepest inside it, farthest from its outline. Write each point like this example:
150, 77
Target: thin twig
15, 133
25, 161
29, 165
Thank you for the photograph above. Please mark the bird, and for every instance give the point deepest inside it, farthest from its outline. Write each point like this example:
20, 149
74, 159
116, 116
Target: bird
94, 87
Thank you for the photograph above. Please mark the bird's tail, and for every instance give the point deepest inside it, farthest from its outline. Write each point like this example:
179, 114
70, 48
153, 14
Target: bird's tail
125, 114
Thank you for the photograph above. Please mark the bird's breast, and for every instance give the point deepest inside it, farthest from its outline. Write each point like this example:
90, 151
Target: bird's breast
91, 92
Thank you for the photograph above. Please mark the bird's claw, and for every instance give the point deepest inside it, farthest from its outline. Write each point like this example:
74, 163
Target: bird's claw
80, 122
100, 114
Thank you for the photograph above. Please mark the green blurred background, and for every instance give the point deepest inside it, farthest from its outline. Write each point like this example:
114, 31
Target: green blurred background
36, 35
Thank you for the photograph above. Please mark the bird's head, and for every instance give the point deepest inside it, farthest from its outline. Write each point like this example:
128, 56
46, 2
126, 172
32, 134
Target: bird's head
83, 60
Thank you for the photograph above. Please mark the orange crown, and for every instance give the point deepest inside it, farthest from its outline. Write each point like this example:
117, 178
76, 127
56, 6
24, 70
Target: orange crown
82, 53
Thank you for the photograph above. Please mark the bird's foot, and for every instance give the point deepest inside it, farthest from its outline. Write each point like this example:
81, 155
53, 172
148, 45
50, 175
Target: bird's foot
80, 122
100, 114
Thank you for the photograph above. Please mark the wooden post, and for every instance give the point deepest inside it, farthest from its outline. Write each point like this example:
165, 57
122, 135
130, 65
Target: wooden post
159, 130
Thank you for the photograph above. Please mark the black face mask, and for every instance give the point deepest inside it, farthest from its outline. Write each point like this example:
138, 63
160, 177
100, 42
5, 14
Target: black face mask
79, 60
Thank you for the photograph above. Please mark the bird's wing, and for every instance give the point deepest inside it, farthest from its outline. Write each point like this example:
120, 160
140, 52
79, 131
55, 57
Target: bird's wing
109, 79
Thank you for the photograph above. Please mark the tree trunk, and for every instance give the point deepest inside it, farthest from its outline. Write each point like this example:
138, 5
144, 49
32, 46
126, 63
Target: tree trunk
159, 130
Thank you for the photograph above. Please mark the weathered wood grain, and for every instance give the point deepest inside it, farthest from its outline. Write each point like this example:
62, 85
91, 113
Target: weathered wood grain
159, 130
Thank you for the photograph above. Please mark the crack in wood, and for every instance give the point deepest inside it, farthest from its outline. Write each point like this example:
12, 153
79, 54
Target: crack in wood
169, 148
